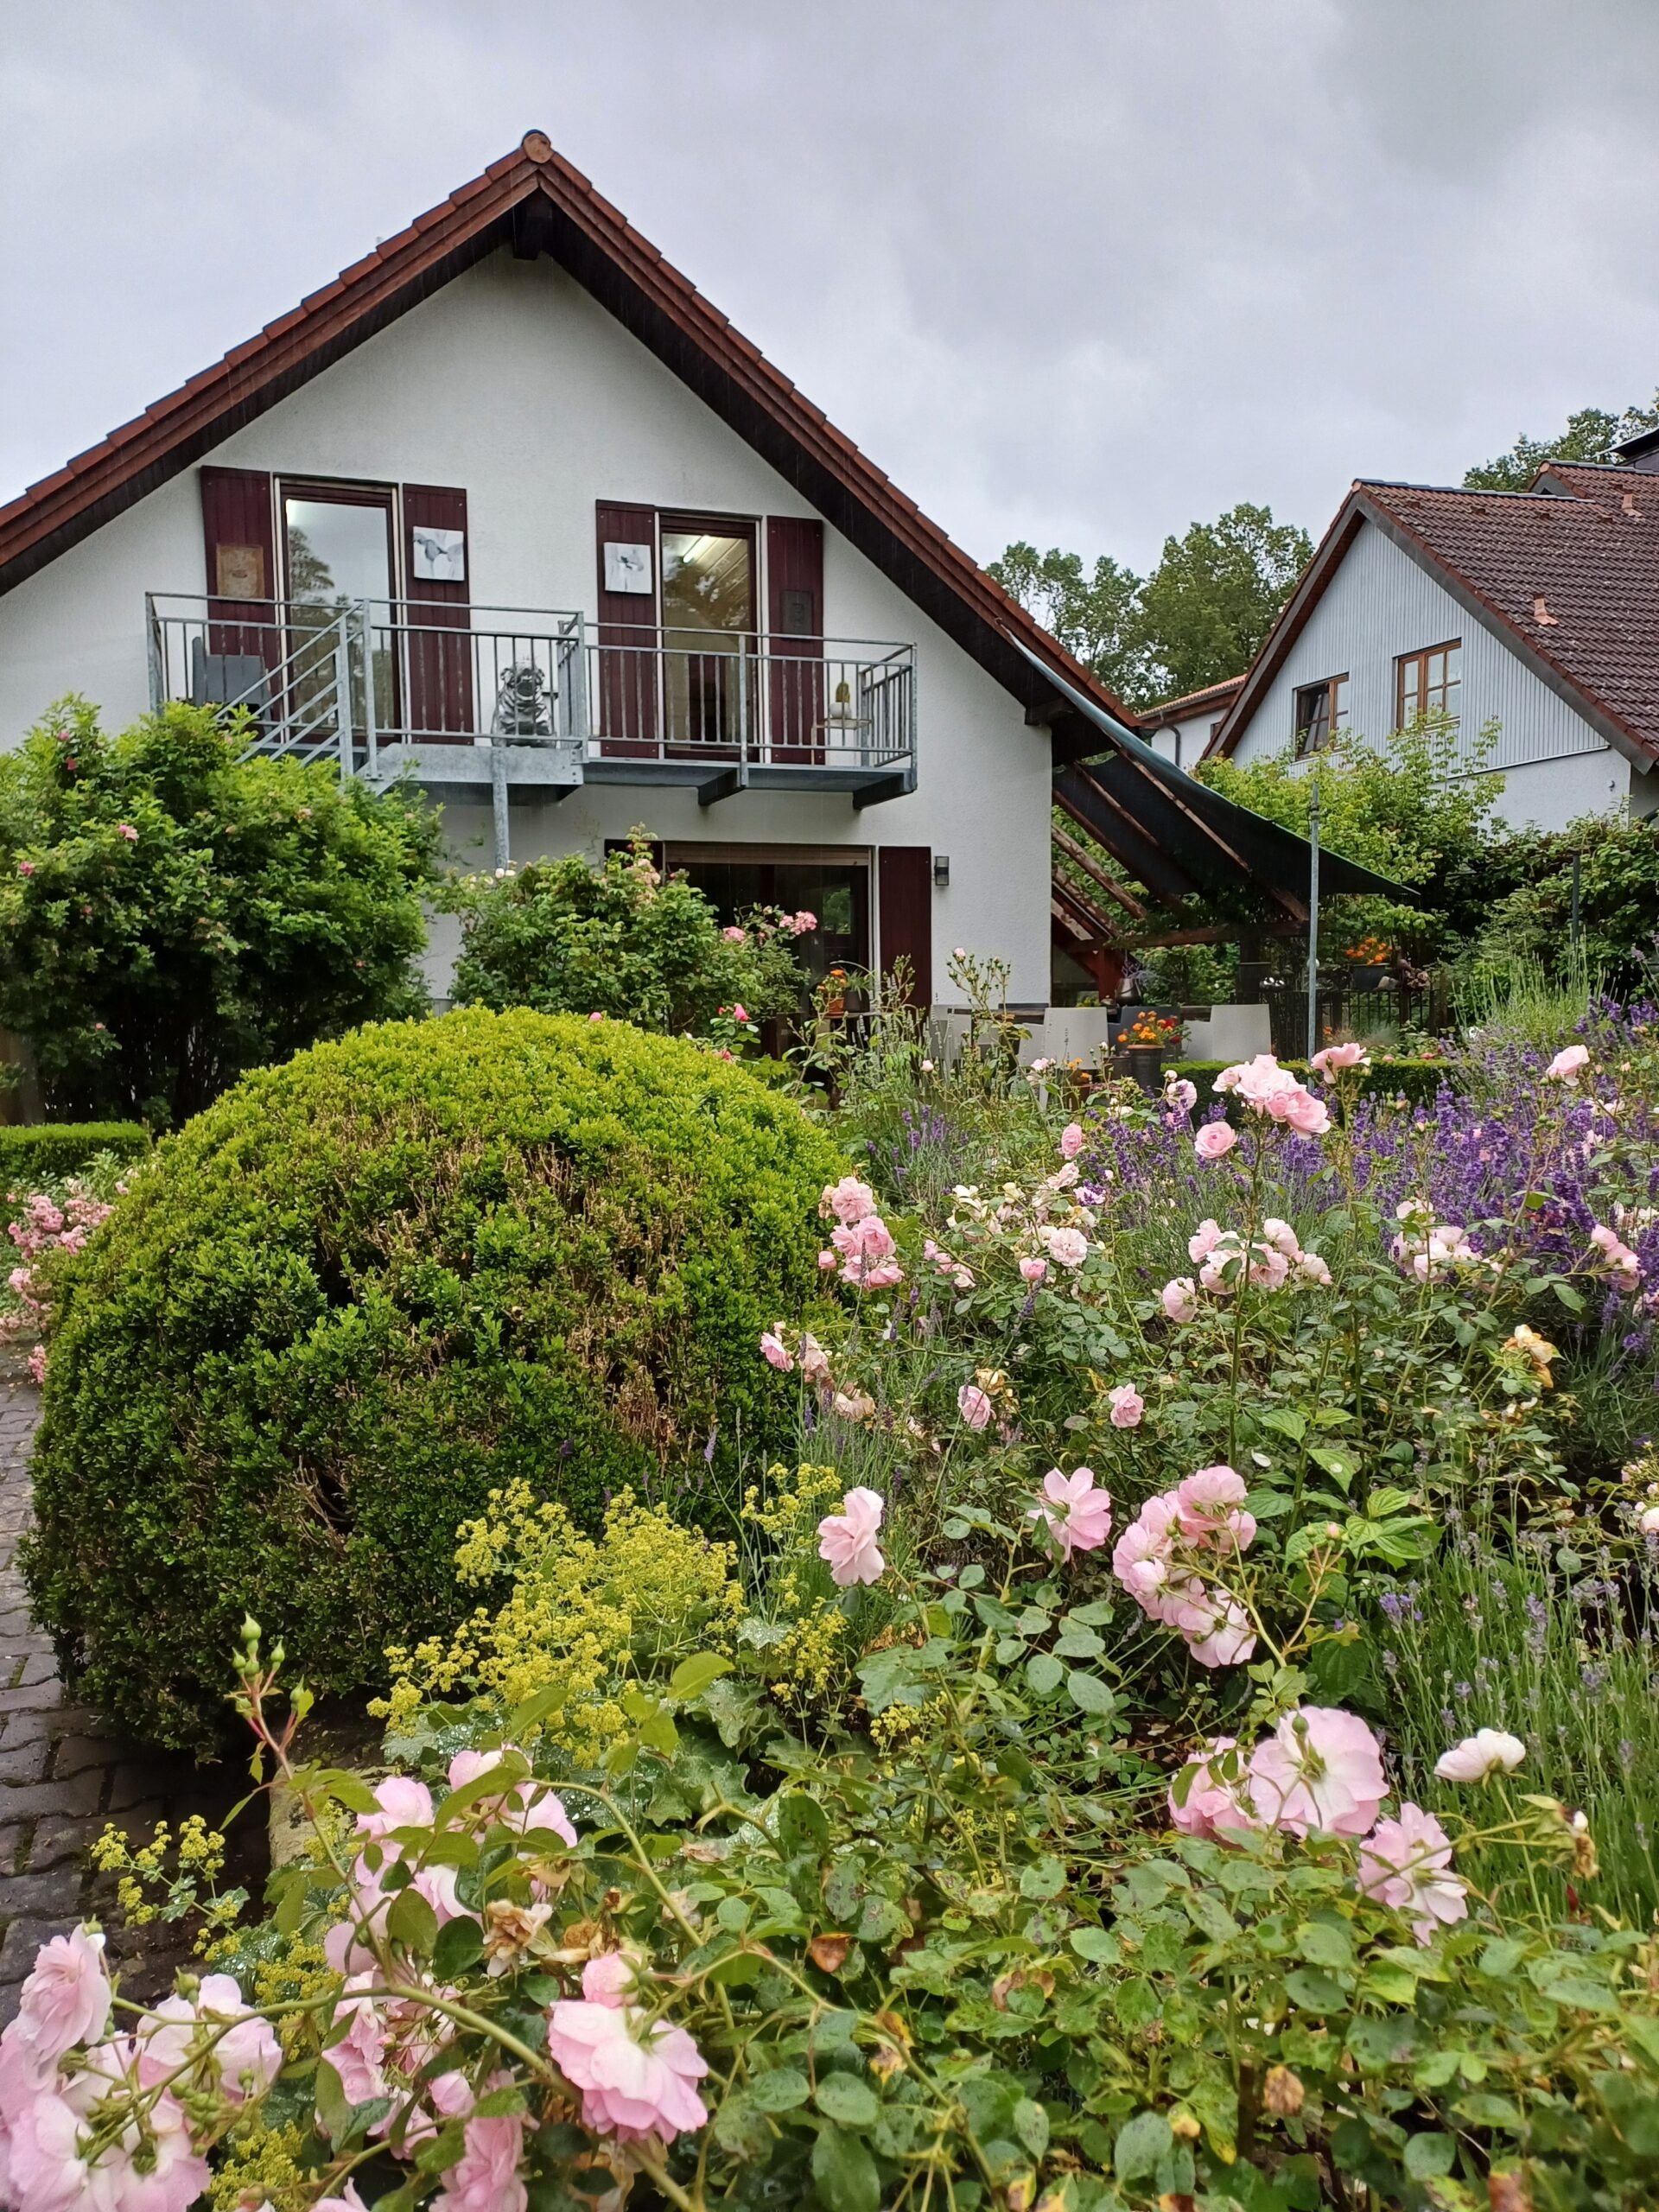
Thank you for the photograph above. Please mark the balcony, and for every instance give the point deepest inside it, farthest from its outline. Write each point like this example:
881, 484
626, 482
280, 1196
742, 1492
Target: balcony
528, 700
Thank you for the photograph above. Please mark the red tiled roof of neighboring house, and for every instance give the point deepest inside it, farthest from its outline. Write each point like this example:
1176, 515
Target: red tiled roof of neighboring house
536, 201
1568, 579
1190, 702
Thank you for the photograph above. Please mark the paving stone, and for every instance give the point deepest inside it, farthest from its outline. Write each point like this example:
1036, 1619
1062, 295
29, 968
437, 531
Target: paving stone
24, 1937
58, 1836
56, 1889
74, 1754
31, 1697
24, 1762
80, 1794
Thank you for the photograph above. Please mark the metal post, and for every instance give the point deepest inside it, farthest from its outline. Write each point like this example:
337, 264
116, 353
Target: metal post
1574, 925
157, 681
499, 801
1314, 918
343, 697
368, 686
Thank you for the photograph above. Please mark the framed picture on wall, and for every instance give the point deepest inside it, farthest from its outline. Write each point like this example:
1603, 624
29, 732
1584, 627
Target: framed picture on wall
440, 554
628, 568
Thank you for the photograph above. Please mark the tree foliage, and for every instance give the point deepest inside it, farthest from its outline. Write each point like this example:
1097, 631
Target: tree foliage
564, 937
1198, 618
1527, 916
1589, 434
174, 910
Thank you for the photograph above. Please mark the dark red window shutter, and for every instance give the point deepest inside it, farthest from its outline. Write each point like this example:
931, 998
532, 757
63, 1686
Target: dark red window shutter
795, 618
440, 701
626, 701
243, 585
905, 905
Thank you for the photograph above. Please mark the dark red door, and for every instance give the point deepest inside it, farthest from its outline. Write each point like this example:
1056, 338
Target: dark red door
904, 906
795, 619
625, 700
237, 525
439, 641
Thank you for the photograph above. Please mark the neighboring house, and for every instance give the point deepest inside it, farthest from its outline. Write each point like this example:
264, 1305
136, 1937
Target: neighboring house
1536, 610
511, 505
1180, 730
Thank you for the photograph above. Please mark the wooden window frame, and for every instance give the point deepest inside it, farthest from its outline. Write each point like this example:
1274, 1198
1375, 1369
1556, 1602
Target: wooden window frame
340, 492
684, 522
1418, 661
1335, 717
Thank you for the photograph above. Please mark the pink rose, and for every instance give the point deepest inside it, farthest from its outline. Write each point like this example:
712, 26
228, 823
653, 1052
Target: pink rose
1071, 1140
740, 1012
25, 867
1215, 1140
1313, 1269
1335, 1058
359, 2056
636, 2080
1212, 1806
1320, 1768
1479, 1757
65, 2000
973, 1405
1216, 1629
1077, 1515
607, 1978
1209, 1511
1566, 1065
1033, 1270
1301, 1110
1180, 1094
1142, 1556
735, 936
847, 1540
485, 2178
1208, 1234
1127, 1406
125, 829
243, 2058
1179, 1297
849, 1200
596, 1017
826, 1260
1068, 1247
402, 1803
1406, 1864
802, 924
777, 1352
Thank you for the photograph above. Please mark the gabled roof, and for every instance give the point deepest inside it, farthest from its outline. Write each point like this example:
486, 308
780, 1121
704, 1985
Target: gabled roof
1566, 577
536, 202
1188, 703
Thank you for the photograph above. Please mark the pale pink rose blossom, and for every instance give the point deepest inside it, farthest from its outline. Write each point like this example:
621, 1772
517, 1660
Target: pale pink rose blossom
849, 1200
1142, 1556
1216, 1629
348, 2201
37, 1365
1408, 1863
1067, 1248
1215, 1140
65, 2000
1280, 1236
244, 2056
1077, 1514
609, 1978
401, 1802
973, 1405
1619, 1255
804, 923
866, 1239
1209, 1511
1335, 1058
777, 1352
485, 2178
1181, 1094
847, 1540
125, 829
596, 1017
1213, 1807
1071, 1140
1179, 1298
1479, 1757
1268, 1269
826, 1260
815, 1362
1204, 1238
1566, 1065
1033, 1270
1647, 1521
1312, 1269
1126, 1404
25, 867
1321, 1769
48, 2172
359, 2056
1301, 1110
636, 2080
735, 936
526, 1807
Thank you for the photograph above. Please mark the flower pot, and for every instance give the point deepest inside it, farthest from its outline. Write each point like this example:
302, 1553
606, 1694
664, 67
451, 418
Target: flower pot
1146, 1066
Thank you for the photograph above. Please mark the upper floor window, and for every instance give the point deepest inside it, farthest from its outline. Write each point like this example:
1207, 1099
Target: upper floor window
1428, 683
1321, 710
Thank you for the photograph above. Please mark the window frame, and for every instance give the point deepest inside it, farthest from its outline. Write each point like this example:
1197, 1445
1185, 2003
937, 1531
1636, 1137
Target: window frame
1418, 661
1335, 717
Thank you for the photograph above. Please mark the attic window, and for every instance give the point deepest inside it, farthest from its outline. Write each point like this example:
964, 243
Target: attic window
1321, 711
1428, 683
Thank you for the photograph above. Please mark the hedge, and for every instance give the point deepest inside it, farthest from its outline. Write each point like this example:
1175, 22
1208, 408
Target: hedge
1417, 1081
364, 1288
47, 1151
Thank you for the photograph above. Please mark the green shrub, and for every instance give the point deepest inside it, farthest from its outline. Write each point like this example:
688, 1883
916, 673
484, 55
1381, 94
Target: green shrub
50, 1150
366, 1288
1417, 1081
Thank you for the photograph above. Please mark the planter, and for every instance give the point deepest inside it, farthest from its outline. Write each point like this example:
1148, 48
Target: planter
1147, 1065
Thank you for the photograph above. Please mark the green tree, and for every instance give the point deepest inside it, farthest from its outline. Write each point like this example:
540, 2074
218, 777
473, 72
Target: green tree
1527, 916
1095, 615
174, 910
563, 938
1589, 435
1214, 595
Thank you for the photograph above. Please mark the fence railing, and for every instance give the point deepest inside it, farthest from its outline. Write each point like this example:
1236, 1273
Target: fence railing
356, 676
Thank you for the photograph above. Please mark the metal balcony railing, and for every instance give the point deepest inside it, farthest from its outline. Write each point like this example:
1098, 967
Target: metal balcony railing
385, 685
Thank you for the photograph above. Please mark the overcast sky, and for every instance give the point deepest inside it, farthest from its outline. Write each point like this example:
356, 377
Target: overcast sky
1075, 270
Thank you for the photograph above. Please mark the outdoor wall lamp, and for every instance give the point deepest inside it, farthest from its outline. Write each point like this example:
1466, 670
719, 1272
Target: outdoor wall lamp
941, 871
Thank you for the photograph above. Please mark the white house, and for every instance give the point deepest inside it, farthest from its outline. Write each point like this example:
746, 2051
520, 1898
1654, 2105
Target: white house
509, 505
1180, 730
1536, 610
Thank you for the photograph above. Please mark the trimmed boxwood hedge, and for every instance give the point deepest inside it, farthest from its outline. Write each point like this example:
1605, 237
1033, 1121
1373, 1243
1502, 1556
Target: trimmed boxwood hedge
363, 1289
33, 1153
1418, 1082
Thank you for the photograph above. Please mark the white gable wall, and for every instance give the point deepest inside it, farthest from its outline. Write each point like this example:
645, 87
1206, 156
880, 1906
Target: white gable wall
514, 383
1380, 603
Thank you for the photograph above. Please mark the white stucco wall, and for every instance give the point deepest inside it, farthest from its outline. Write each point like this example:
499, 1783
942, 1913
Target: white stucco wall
1379, 605
514, 382
1184, 742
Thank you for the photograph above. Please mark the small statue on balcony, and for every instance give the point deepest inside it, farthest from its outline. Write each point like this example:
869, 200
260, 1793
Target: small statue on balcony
523, 705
